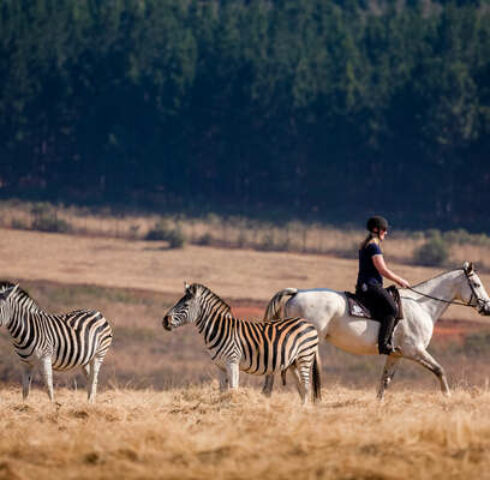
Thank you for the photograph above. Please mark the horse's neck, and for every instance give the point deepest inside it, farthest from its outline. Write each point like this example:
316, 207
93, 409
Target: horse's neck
442, 288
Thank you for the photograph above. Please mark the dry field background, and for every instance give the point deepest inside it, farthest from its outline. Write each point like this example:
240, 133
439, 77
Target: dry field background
233, 232
159, 413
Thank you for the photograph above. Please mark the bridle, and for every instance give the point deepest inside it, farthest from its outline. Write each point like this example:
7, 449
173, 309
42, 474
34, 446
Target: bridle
480, 303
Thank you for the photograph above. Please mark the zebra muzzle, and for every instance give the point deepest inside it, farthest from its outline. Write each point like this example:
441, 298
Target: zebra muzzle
166, 323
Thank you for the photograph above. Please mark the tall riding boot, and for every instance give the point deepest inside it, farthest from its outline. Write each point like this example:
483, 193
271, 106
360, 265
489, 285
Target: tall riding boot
385, 346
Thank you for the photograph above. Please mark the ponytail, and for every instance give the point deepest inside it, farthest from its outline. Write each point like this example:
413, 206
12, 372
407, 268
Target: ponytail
372, 237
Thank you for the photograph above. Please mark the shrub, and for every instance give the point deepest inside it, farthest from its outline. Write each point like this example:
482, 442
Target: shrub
205, 239
19, 224
433, 253
50, 223
165, 231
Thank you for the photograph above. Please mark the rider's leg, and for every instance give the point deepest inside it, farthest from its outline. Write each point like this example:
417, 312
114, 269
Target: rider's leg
383, 307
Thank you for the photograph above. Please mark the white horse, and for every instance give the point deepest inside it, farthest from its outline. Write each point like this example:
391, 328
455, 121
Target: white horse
422, 307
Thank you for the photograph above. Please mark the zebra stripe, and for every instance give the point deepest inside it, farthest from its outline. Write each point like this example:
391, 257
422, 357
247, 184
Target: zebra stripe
255, 348
58, 341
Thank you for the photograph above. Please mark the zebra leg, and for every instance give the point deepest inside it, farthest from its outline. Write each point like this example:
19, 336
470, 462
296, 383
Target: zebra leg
299, 384
304, 370
223, 380
47, 370
389, 371
95, 364
268, 385
233, 375
86, 371
26, 381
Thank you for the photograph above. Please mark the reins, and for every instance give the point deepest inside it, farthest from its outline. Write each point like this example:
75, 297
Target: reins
452, 302
479, 301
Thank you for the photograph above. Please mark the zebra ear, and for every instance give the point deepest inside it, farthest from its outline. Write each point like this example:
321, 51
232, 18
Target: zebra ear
187, 286
468, 267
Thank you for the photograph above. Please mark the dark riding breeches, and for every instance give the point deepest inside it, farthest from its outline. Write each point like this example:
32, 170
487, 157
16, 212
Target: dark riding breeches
383, 308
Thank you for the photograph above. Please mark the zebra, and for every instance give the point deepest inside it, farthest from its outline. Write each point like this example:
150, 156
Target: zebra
255, 348
55, 341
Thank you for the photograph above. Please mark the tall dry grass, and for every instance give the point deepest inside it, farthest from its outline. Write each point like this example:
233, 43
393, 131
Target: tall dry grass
198, 433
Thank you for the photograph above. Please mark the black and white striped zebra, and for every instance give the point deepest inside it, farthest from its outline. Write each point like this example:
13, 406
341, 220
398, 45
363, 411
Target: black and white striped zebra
53, 341
255, 348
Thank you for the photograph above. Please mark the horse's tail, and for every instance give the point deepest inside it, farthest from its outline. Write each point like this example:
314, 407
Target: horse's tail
274, 307
316, 377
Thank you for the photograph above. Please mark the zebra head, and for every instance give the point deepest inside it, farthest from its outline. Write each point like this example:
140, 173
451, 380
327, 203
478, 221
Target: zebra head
5, 294
186, 310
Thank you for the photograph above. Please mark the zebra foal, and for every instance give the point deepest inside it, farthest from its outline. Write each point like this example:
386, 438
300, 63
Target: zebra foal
255, 348
54, 341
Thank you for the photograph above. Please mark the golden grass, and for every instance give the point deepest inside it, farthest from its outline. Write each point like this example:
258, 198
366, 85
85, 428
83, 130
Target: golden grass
198, 433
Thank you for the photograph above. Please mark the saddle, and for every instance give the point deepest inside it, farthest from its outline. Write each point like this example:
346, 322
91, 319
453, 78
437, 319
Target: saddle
358, 309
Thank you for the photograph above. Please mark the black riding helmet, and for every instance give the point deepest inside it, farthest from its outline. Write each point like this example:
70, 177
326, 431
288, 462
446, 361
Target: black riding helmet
377, 222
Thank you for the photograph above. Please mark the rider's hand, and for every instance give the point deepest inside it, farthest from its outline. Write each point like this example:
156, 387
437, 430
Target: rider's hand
403, 283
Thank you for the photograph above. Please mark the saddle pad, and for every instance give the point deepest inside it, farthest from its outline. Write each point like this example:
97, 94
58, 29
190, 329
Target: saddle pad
358, 309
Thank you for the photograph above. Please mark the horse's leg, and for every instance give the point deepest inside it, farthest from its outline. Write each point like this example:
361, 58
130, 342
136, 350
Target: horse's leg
425, 359
268, 385
389, 370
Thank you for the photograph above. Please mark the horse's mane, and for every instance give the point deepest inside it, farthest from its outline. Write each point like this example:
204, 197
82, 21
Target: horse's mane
212, 296
436, 276
20, 293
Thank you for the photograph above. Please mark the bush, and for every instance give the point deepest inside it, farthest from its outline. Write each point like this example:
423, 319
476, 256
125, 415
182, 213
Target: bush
165, 231
205, 239
50, 223
19, 224
433, 253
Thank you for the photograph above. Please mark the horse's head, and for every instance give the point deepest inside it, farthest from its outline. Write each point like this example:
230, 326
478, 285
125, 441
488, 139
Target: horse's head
472, 290
186, 310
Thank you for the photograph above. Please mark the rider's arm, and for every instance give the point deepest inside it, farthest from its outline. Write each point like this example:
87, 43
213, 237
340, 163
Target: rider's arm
380, 265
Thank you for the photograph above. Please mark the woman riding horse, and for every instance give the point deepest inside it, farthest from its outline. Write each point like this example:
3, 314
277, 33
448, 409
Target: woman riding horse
369, 287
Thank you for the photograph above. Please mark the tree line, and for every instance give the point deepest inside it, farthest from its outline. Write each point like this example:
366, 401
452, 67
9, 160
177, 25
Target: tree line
314, 109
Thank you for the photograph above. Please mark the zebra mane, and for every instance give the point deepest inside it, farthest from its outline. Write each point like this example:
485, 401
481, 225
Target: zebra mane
21, 294
210, 295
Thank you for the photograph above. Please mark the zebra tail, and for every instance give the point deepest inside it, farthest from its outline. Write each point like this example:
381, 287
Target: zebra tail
317, 378
274, 307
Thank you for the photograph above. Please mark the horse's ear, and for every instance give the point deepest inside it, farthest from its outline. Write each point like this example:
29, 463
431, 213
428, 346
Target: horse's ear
468, 267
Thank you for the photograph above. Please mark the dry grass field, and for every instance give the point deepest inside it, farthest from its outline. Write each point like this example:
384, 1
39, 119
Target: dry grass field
196, 433
159, 413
